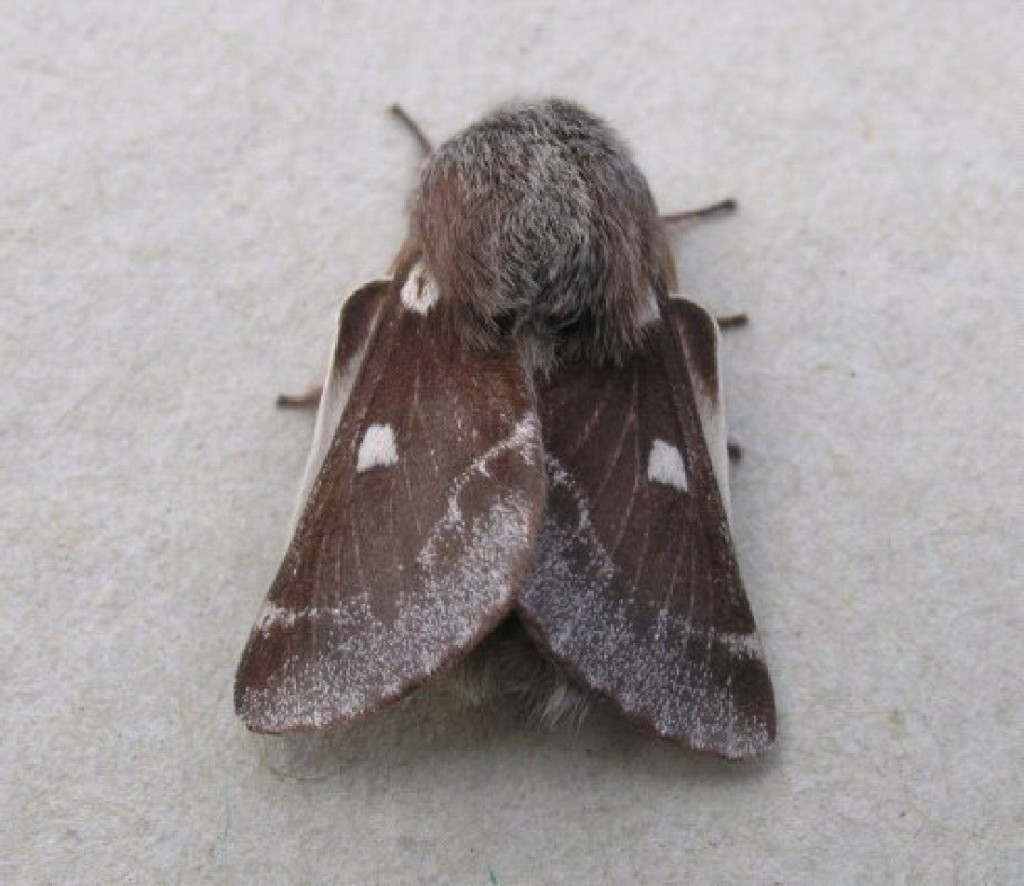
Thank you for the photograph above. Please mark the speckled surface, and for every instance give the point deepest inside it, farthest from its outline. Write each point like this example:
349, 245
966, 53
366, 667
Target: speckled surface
189, 188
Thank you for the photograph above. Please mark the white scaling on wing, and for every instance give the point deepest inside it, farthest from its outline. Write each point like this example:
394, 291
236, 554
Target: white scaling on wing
377, 449
271, 615
746, 645
420, 291
646, 668
665, 465
523, 439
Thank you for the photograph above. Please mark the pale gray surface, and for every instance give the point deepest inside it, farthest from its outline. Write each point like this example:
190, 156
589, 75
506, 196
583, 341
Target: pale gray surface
186, 192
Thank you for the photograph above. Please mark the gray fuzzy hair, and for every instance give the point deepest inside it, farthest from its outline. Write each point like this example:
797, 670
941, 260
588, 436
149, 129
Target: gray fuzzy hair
536, 223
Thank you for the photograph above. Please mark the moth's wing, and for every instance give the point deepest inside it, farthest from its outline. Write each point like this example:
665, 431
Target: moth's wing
636, 592
700, 338
418, 531
357, 321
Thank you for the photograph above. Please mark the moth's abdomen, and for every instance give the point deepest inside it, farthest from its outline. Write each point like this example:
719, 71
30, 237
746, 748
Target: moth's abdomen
535, 222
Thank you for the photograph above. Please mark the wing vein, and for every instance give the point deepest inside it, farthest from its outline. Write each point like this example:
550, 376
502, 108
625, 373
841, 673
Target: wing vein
629, 422
402, 577
589, 425
358, 555
417, 410
631, 504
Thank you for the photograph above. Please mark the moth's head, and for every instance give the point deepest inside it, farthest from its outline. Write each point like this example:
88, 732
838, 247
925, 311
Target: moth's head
536, 223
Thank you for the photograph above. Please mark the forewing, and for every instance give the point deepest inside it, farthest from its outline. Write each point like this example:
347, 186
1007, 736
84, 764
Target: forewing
699, 336
636, 590
418, 531
357, 322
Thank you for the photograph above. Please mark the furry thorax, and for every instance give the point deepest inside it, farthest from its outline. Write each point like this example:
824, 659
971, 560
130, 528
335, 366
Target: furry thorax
536, 224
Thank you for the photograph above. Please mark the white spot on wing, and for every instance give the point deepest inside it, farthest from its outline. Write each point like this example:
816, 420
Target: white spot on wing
377, 449
665, 465
420, 291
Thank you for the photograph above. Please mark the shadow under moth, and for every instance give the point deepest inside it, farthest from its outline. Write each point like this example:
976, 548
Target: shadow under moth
519, 473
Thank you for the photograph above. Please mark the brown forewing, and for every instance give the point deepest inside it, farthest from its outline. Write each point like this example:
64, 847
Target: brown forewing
417, 534
357, 322
636, 591
699, 335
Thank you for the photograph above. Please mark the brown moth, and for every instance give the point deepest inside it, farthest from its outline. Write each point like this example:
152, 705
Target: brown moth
519, 469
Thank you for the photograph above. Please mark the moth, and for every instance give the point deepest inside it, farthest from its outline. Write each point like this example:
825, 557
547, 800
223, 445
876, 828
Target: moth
519, 470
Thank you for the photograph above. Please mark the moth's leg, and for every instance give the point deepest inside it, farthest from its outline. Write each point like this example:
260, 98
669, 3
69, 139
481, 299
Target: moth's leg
722, 207
732, 321
414, 128
308, 399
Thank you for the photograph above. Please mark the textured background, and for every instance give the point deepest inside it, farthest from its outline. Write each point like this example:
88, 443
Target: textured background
187, 190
